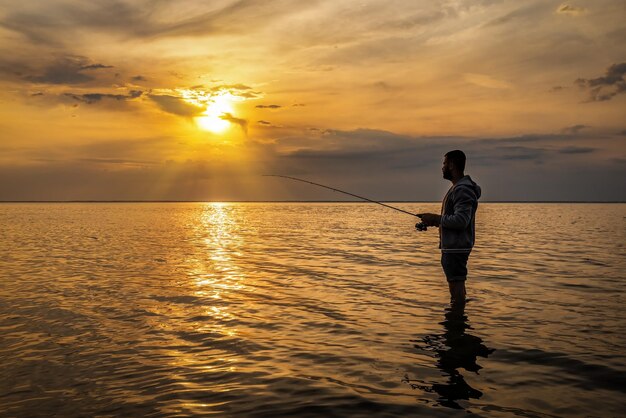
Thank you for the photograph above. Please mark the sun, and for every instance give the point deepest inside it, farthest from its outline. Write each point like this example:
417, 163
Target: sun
212, 118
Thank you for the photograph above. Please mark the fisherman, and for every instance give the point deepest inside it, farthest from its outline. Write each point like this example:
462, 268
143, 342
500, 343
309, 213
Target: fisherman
456, 223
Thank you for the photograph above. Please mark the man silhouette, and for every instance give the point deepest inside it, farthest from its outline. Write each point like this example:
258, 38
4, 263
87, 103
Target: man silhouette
456, 223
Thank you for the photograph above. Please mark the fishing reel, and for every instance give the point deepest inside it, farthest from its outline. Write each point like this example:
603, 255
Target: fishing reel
421, 226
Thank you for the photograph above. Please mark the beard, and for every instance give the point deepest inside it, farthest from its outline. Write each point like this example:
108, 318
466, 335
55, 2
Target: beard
447, 174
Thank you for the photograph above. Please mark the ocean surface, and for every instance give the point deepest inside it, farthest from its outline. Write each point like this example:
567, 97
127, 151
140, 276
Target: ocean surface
308, 309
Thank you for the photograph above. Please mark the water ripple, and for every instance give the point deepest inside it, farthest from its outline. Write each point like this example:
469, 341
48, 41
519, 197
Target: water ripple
307, 310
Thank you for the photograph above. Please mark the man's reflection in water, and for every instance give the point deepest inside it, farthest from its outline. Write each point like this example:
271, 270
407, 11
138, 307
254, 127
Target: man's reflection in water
454, 349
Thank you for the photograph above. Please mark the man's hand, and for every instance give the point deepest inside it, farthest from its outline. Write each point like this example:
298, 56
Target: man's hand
430, 219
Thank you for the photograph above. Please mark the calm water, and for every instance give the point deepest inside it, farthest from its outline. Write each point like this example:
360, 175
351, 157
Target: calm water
308, 310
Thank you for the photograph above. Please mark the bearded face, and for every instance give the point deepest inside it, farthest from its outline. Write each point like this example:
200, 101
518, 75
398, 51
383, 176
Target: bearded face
446, 169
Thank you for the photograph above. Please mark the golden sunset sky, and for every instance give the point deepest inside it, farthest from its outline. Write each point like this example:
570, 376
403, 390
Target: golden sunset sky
195, 100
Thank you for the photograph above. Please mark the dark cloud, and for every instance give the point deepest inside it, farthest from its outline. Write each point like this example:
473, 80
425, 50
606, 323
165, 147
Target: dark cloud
576, 150
509, 153
606, 87
68, 69
527, 138
176, 105
35, 27
528, 167
365, 151
139, 78
377, 164
91, 98
56, 22
65, 72
574, 129
95, 66
271, 106
267, 124
372, 149
242, 123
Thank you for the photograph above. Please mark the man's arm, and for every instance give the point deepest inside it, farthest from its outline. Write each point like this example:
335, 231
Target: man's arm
464, 199
430, 219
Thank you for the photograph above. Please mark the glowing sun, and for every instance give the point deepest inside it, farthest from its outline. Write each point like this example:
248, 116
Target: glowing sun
212, 119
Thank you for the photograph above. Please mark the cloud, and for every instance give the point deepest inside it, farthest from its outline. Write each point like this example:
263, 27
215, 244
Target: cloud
242, 123
570, 10
368, 150
271, 106
95, 66
378, 164
574, 129
57, 23
91, 98
267, 124
526, 138
525, 13
236, 90
138, 78
509, 153
68, 69
230, 87
176, 105
576, 150
605, 88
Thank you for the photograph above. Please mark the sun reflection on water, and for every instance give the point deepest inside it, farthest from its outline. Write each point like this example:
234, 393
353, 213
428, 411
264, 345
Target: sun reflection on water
216, 273
220, 273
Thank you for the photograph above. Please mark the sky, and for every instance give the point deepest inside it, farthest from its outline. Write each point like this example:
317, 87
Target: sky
197, 100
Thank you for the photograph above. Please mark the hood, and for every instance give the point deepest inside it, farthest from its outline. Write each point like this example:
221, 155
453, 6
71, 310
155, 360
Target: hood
467, 181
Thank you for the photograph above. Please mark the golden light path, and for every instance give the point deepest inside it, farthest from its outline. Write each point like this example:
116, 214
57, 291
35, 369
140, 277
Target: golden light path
219, 275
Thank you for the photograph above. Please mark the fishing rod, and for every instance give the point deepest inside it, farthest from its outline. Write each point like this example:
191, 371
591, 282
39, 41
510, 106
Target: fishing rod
354, 195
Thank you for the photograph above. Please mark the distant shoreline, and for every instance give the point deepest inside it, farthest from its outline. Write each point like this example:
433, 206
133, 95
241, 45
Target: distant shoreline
299, 201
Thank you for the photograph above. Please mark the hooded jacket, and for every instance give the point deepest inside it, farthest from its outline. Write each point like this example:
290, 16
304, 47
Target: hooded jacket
458, 212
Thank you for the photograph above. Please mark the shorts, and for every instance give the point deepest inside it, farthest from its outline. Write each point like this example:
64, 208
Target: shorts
455, 266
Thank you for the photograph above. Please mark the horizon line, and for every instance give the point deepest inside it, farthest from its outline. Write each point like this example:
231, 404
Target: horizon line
300, 201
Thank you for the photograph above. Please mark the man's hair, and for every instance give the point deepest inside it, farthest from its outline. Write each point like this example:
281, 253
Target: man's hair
458, 159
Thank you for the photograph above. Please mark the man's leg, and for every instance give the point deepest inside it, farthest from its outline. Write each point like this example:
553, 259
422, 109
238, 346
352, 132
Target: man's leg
457, 292
455, 267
